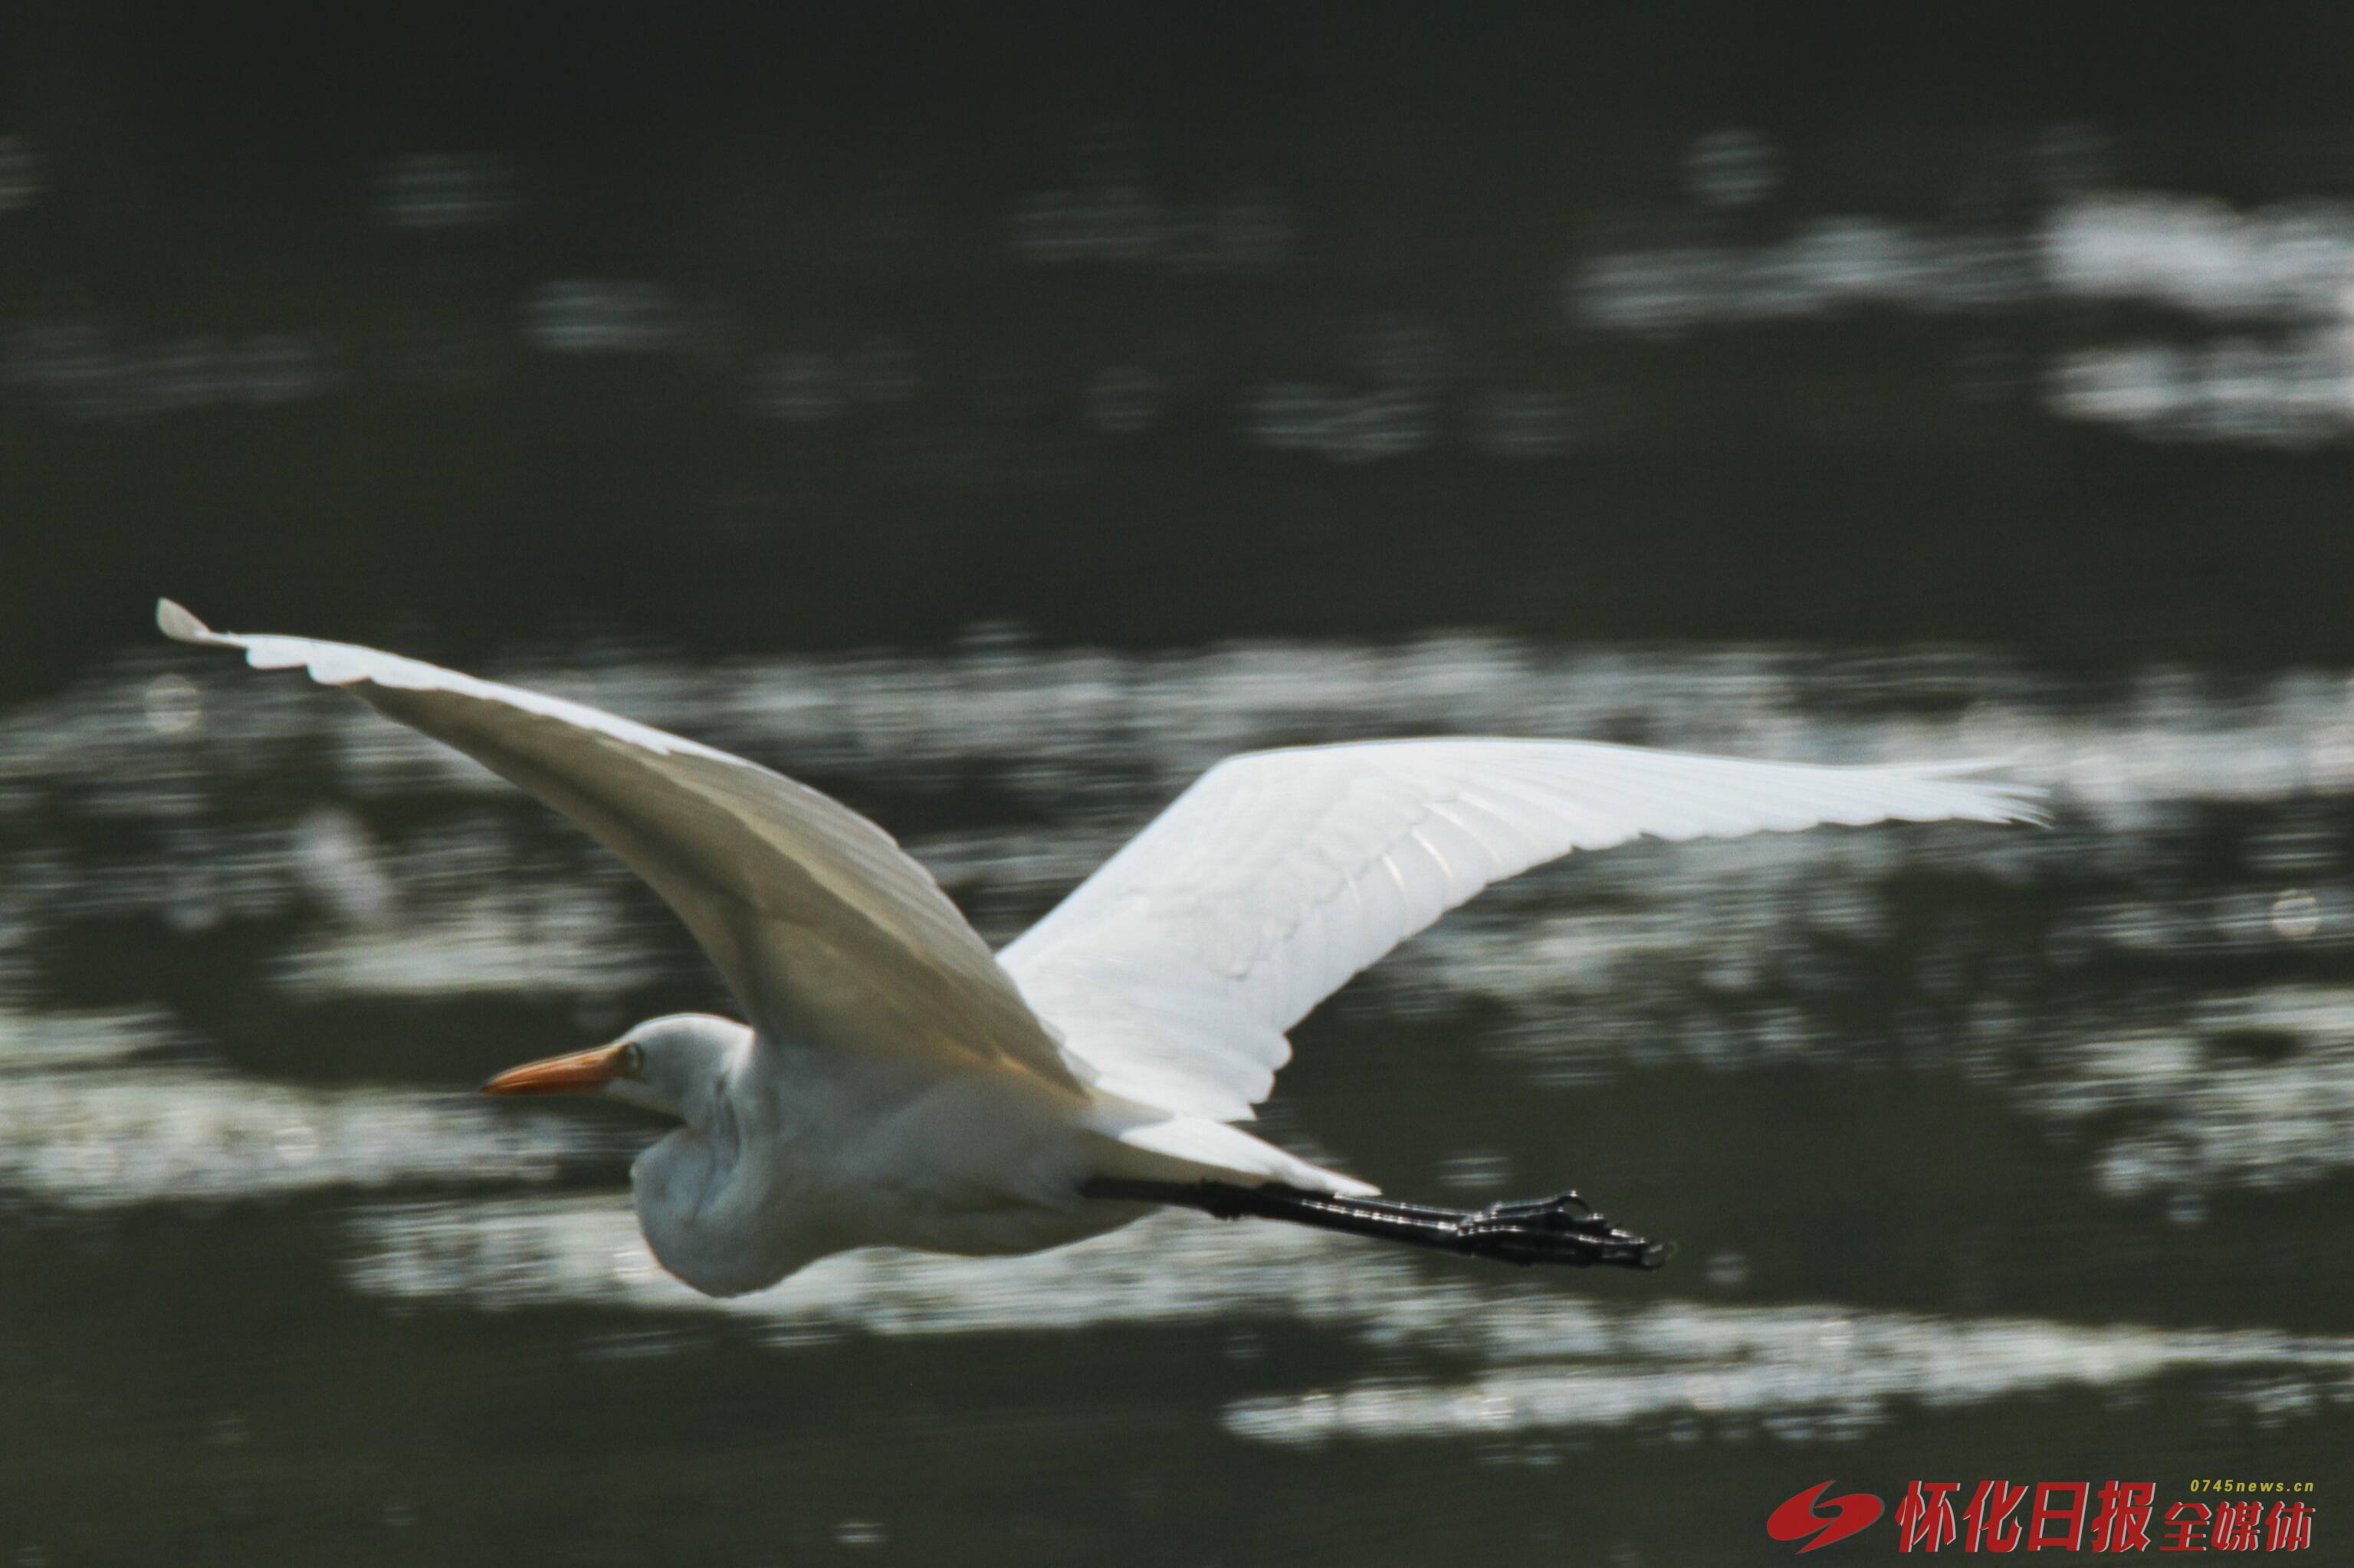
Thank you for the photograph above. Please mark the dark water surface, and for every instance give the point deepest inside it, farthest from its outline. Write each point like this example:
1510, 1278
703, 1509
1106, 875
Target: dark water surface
995, 421
1998, 1151
765, 329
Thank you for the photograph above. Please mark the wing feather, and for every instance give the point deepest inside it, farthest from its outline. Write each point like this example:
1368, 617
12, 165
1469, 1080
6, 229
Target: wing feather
830, 934
1175, 971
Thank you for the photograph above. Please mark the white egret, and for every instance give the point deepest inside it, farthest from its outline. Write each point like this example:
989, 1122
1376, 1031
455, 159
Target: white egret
900, 1084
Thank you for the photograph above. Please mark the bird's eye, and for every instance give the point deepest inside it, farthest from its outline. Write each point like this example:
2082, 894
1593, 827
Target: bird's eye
633, 1060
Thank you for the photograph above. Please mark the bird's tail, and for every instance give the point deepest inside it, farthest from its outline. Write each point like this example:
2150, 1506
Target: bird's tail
1156, 1147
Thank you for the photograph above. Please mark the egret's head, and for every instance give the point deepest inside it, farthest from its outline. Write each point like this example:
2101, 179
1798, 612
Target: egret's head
672, 1064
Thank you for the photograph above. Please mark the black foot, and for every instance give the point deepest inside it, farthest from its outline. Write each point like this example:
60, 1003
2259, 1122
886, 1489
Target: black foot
1564, 1229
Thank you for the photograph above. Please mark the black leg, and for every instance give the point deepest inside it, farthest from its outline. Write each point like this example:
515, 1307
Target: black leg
1566, 1229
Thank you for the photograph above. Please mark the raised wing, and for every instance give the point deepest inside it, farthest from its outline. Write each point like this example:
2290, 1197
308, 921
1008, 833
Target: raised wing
1175, 970
830, 934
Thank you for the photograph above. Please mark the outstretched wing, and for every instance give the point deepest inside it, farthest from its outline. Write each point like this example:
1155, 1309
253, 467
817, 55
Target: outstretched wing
830, 934
1174, 971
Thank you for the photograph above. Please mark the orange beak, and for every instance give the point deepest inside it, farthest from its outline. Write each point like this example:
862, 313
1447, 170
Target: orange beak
581, 1073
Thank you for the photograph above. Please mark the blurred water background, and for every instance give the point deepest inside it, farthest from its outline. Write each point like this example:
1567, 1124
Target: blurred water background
994, 421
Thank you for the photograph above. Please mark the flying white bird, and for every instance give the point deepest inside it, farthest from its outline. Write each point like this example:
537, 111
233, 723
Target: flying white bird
900, 1085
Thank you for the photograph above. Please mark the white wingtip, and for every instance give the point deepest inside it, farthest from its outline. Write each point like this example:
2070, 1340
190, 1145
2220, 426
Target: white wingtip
2000, 800
174, 621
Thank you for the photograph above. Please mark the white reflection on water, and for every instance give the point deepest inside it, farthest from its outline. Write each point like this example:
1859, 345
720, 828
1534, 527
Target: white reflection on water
601, 315
2200, 1111
90, 1119
1250, 231
1808, 1374
2202, 255
2192, 254
2279, 280
1555, 1361
439, 190
504, 941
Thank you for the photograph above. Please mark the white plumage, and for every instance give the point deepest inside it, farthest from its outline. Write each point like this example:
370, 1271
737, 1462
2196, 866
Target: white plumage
825, 929
1176, 969
902, 1085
